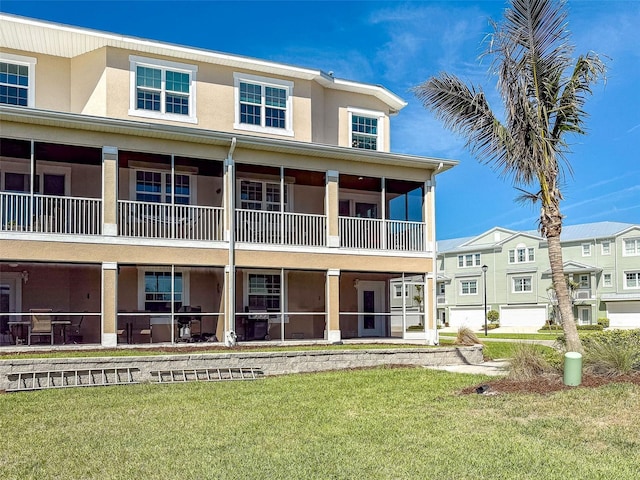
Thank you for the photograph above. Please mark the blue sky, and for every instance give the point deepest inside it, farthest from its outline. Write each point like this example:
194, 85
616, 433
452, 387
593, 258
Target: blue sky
399, 45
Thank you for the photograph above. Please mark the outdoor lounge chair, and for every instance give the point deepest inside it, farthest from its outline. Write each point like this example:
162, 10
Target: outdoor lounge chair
40, 325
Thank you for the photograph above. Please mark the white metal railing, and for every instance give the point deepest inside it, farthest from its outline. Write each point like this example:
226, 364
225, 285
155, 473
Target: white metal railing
256, 226
50, 214
405, 236
161, 220
377, 234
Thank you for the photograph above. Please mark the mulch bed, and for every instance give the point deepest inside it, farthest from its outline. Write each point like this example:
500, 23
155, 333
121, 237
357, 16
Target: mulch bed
545, 384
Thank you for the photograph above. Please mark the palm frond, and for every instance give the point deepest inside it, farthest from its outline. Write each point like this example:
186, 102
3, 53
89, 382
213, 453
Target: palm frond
465, 110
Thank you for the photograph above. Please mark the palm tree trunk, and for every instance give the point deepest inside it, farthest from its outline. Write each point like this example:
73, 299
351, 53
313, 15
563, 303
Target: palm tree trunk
573, 343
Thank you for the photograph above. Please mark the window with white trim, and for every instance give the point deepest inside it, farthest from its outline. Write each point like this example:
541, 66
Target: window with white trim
258, 195
263, 104
632, 280
397, 289
155, 187
606, 248
606, 280
469, 260
157, 291
263, 292
468, 287
584, 281
631, 247
441, 288
522, 284
522, 254
17, 80
162, 89
365, 129
586, 249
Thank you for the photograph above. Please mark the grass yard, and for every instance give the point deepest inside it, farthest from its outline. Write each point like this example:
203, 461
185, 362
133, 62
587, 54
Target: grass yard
385, 423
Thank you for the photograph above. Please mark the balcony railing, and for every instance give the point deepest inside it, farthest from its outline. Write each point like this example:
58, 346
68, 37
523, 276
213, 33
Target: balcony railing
159, 220
255, 226
376, 234
50, 214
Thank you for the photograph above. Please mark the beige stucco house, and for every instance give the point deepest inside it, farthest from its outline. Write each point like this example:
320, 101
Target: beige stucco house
154, 193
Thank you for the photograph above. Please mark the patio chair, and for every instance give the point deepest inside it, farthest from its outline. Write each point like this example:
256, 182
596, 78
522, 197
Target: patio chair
74, 335
40, 325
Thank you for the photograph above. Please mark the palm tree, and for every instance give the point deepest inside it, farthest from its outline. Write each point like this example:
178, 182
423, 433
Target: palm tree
543, 91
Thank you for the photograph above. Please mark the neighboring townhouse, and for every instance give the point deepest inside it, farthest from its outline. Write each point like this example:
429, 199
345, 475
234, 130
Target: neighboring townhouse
601, 260
154, 193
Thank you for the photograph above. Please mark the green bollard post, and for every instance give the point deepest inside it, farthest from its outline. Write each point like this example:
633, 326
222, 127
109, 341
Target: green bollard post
572, 369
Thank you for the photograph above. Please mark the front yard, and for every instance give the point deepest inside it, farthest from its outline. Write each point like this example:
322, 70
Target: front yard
384, 423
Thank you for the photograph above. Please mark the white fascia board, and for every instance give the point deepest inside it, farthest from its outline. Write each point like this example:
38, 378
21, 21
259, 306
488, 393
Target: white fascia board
72, 41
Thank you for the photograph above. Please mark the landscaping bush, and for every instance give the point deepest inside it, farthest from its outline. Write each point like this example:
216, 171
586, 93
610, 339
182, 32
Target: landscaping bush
590, 327
528, 361
611, 353
604, 322
466, 336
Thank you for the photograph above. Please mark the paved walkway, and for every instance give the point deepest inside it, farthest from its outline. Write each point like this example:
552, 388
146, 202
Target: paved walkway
492, 368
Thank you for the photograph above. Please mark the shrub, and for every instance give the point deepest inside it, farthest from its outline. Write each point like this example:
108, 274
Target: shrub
590, 327
608, 359
527, 361
493, 316
604, 322
466, 337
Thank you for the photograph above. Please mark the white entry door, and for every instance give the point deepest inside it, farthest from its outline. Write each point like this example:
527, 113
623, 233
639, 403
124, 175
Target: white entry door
370, 301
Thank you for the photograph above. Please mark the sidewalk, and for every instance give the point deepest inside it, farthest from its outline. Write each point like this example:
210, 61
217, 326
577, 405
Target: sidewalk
492, 368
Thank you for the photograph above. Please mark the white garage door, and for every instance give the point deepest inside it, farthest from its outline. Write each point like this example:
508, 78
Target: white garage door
523, 317
466, 317
623, 314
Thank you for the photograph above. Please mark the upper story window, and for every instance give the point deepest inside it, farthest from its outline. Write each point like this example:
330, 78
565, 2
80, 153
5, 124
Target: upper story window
263, 104
366, 129
17, 80
162, 89
522, 254
632, 280
469, 260
586, 249
257, 195
522, 284
606, 248
469, 287
155, 187
632, 247
606, 280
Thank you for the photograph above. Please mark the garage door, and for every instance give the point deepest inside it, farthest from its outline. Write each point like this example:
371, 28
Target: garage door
523, 317
466, 317
623, 314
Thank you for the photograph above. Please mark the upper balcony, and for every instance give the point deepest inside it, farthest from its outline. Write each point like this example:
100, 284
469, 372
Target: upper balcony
166, 199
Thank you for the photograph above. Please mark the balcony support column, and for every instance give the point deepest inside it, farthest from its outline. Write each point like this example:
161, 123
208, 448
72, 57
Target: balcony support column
333, 334
109, 320
110, 191
331, 208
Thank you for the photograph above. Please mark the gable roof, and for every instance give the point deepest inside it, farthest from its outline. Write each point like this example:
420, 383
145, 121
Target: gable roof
50, 38
570, 233
575, 267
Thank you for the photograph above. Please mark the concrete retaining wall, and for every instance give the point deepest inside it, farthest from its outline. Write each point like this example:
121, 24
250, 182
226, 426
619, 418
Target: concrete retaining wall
271, 363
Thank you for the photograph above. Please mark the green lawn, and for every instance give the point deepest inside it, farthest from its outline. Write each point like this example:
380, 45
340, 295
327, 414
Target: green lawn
385, 423
513, 336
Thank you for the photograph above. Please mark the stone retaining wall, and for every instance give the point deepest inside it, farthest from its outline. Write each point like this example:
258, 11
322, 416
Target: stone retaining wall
271, 363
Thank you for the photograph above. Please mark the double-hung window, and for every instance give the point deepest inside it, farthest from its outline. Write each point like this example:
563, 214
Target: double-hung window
155, 187
263, 292
631, 247
522, 254
469, 287
521, 284
632, 280
263, 104
162, 89
469, 260
266, 196
365, 129
17, 80
158, 291
606, 248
